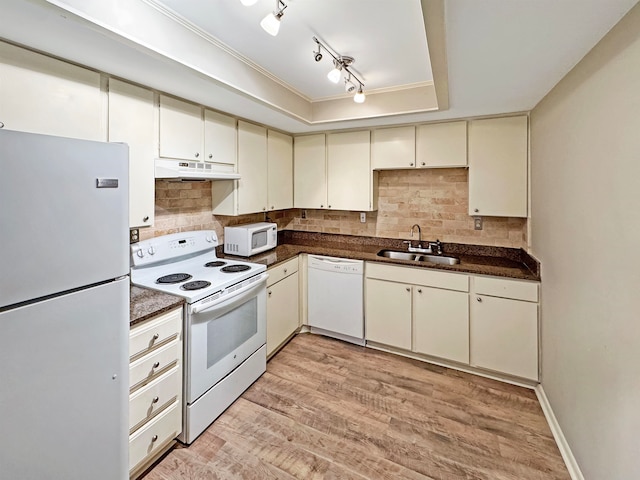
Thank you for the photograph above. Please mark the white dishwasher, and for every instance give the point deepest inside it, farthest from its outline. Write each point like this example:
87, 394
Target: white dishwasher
335, 298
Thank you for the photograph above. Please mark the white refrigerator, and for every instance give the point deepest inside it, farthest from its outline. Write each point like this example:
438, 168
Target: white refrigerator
64, 308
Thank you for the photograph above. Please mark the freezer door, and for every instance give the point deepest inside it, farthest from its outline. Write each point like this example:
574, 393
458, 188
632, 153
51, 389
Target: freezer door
60, 229
64, 386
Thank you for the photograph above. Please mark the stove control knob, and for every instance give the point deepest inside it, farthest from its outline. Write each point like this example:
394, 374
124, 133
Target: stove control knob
151, 251
208, 238
140, 253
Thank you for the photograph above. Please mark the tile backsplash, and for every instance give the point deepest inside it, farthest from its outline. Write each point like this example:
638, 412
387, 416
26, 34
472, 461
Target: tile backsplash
436, 199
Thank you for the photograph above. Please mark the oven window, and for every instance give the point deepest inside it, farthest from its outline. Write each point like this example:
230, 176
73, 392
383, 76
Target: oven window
228, 332
259, 239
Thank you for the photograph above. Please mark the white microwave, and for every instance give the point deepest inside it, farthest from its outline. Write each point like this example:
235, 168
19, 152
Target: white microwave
249, 239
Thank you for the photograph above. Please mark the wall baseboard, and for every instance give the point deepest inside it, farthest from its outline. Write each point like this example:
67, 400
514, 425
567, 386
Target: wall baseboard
561, 441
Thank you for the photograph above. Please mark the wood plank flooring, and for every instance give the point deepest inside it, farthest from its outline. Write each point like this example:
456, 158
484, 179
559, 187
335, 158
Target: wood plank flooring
329, 410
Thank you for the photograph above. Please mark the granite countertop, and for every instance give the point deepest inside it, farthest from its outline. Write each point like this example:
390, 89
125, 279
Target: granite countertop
145, 303
474, 259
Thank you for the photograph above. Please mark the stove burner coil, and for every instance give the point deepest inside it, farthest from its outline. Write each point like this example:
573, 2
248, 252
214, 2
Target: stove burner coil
235, 268
195, 285
217, 263
174, 278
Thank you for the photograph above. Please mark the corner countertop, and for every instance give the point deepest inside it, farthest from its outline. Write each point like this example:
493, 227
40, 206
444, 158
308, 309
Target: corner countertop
474, 259
145, 303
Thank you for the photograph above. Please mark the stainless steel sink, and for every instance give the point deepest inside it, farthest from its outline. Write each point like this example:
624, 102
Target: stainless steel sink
419, 257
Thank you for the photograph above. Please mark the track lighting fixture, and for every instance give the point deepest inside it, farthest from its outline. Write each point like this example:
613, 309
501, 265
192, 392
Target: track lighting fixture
341, 64
248, 3
271, 23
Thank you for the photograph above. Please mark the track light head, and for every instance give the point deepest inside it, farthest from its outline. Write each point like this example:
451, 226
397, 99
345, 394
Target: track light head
349, 87
271, 23
360, 96
334, 74
317, 55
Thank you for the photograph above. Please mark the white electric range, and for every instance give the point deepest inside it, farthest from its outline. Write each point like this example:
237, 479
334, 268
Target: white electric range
225, 319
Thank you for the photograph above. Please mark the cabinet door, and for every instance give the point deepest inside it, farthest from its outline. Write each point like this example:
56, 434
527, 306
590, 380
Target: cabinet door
441, 145
349, 175
393, 148
282, 311
498, 167
132, 120
39, 94
280, 170
181, 129
309, 172
220, 138
252, 166
388, 313
441, 323
504, 335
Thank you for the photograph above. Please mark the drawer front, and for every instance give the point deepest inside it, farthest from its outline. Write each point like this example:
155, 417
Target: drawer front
418, 276
499, 287
281, 271
153, 398
150, 367
154, 435
149, 335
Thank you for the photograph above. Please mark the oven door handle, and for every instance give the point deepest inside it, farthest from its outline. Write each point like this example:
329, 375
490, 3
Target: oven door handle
229, 301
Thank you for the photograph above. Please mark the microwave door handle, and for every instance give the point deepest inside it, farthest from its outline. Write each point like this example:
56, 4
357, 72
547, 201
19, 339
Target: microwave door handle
229, 302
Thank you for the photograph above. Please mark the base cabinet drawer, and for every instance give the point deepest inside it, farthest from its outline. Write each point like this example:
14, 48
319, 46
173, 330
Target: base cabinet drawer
158, 331
154, 435
150, 367
147, 402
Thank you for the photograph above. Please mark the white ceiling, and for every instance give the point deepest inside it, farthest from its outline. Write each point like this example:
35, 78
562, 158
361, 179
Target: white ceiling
503, 55
389, 45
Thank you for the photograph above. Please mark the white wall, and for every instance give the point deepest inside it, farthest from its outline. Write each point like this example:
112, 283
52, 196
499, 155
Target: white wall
585, 143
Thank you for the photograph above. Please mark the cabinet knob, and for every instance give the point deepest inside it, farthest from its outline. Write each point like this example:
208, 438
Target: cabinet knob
321, 206
156, 365
419, 290
285, 270
423, 164
154, 438
329, 206
478, 299
1, 125
272, 207
211, 155
264, 208
270, 292
197, 154
476, 210
155, 400
145, 218
411, 164
408, 289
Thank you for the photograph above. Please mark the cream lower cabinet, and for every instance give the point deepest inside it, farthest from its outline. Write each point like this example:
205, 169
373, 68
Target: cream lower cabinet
40, 94
419, 310
504, 326
155, 395
283, 313
133, 120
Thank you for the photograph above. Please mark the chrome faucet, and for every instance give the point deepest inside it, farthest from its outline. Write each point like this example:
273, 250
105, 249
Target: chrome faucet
419, 234
419, 248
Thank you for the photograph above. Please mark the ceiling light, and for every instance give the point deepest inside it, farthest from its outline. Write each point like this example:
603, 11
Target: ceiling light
341, 63
248, 3
334, 75
271, 23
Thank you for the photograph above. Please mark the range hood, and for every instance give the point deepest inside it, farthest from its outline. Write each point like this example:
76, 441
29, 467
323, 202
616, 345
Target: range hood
182, 170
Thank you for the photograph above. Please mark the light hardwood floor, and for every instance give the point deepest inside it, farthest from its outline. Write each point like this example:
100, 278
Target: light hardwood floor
330, 410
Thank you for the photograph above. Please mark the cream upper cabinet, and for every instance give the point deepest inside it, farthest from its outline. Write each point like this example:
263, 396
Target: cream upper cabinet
504, 326
39, 94
133, 120
350, 181
181, 130
310, 172
498, 167
393, 148
441, 323
441, 145
280, 170
220, 138
388, 313
252, 166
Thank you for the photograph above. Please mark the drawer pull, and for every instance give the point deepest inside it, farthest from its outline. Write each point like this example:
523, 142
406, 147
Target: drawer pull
478, 299
156, 336
155, 400
285, 270
156, 365
154, 438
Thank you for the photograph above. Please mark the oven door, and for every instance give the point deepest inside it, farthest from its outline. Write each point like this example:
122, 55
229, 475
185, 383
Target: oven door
223, 335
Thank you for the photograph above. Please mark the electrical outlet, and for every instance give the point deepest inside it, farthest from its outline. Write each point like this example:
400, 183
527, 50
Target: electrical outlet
304, 214
363, 217
477, 223
134, 235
